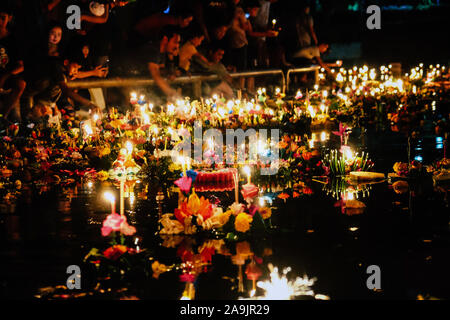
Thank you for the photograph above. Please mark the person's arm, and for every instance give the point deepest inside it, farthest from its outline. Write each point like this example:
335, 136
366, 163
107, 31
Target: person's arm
52, 4
99, 72
159, 80
323, 64
202, 58
75, 96
95, 19
18, 69
268, 33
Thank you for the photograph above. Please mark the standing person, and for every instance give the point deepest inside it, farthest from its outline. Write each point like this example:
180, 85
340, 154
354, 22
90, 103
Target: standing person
305, 28
237, 55
261, 23
11, 68
255, 34
211, 13
96, 27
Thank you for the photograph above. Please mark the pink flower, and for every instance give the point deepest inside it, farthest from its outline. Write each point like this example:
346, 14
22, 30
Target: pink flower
126, 229
112, 222
184, 183
249, 190
187, 277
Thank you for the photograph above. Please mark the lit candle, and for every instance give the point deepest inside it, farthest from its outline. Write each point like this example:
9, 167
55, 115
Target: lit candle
183, 165
110, 197
133, 99
247, 171
236, 187
122, 186
129, 147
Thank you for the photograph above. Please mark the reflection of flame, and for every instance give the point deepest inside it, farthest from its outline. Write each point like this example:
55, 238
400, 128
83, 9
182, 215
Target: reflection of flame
189, 292
280, 288
129, 147
88, 129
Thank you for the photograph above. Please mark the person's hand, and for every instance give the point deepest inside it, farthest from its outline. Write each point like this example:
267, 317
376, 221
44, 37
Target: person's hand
119, 4
185, 22
94, 108
171, 77
231, 68
100, 71
271, 33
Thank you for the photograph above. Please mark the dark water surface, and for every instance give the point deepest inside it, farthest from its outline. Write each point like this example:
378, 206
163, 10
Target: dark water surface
406, 235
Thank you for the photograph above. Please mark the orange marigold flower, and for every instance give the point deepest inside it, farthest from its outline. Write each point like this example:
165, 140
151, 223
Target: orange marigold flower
283, 196
265, 212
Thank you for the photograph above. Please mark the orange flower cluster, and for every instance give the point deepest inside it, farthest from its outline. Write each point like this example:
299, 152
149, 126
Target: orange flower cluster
194, 206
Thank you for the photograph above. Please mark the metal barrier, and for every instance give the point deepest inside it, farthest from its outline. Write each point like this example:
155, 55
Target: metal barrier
196, 80
302, 70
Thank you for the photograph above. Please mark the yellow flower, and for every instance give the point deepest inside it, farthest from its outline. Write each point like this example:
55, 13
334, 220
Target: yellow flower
194, 203
116, 123
243, 222
158, 268
294, 146
224, 217
102, 175
104, 151
265, 212
140, 132
173, 167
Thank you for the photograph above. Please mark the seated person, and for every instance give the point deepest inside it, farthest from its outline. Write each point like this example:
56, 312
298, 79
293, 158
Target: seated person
48, 86
87, 68
12, 84
189, 50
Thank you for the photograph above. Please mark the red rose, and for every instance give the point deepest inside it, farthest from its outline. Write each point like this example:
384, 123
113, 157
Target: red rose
114, 252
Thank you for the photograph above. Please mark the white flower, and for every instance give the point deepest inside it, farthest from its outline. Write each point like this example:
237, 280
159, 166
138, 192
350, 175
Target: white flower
170, 226
76, 155
237, 208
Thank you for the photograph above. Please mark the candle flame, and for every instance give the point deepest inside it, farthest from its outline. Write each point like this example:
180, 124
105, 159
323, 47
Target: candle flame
109, 196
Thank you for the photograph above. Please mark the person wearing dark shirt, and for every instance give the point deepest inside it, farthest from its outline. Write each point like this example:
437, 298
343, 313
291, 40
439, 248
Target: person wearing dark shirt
11, 68
86, 63
47, 75
155, 57
209, 13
